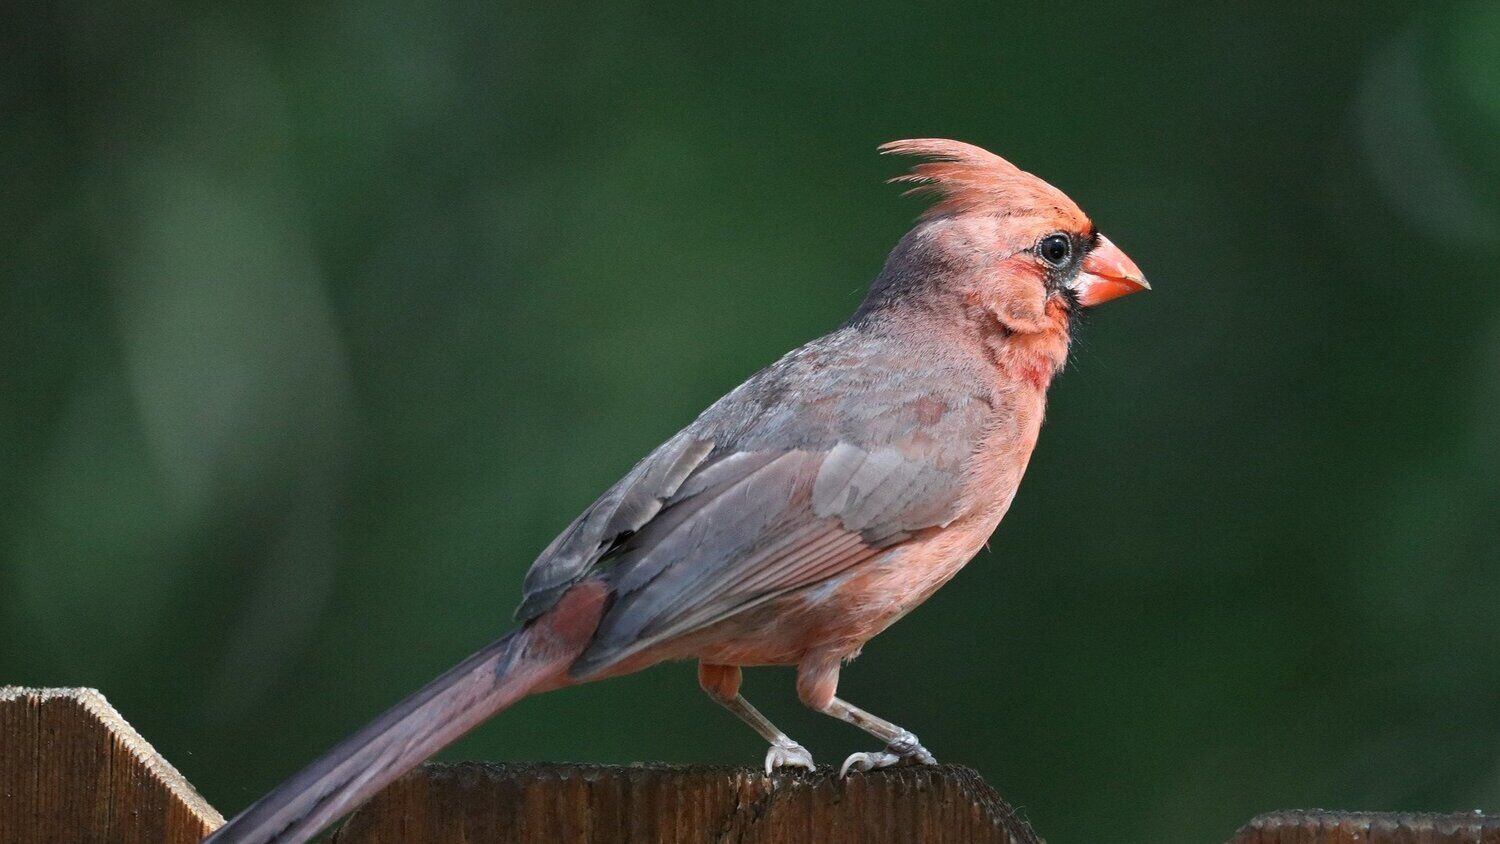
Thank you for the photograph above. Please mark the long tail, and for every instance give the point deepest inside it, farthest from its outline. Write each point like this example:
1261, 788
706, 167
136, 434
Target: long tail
532, 659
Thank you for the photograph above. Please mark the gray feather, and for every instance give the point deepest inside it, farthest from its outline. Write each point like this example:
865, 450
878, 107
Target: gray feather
628, 505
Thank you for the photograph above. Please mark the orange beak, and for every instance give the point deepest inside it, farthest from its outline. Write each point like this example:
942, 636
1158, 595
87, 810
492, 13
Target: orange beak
1107, 273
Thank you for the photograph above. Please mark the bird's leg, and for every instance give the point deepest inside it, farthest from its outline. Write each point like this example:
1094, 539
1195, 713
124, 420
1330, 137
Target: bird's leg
817, 680
901, 748
722, 682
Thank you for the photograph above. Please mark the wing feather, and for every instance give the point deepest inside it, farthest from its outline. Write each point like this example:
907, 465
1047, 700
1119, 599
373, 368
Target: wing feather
623, 509
756, 530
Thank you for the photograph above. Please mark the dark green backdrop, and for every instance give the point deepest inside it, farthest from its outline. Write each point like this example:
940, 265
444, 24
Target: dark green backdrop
317, 323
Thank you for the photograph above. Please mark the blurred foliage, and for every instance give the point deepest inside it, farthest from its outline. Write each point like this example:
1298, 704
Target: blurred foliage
317, 322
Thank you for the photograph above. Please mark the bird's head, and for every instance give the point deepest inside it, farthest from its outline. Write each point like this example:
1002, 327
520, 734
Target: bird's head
999, 242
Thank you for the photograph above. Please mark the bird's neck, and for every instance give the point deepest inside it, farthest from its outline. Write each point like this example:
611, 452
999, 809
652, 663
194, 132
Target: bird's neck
1031, 359
1026, 349
1019, 352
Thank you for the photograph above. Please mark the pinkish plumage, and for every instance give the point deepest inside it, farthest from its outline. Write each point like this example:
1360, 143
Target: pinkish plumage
967, 179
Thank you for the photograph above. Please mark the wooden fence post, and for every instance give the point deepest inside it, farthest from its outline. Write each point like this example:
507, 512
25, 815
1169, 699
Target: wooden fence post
596, 804
71, 769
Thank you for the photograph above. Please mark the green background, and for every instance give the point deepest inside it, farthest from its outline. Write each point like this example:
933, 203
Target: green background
318, 322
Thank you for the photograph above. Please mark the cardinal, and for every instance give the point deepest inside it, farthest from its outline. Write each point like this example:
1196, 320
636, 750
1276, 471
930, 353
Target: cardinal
802, 513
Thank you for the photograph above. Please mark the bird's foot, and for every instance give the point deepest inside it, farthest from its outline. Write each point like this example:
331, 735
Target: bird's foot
785, 753
905, 750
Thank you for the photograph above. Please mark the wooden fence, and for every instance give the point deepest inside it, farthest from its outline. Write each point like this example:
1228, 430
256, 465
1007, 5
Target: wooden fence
71, 769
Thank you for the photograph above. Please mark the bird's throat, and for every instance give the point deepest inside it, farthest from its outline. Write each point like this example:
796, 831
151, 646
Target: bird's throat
1030, 353
1031, 359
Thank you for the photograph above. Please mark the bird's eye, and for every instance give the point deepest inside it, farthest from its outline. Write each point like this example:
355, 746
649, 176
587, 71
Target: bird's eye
1055, 249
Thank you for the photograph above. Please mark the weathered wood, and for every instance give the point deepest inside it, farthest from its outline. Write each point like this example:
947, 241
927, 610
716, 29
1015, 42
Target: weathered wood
661, 803
1316, 826
71, 769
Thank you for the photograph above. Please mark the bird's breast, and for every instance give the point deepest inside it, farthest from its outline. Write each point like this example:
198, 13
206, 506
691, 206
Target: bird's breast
1003, 451
861, 603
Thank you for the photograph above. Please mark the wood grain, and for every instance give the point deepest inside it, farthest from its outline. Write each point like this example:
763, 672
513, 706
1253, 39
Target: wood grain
71, 769
1316, 826
661, 803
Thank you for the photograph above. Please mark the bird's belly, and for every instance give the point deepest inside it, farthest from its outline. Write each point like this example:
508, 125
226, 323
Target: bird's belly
842, 613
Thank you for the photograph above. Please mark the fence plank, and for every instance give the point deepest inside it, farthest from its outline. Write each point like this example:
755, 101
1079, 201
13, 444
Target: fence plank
592, 804
1316, 826
71, 769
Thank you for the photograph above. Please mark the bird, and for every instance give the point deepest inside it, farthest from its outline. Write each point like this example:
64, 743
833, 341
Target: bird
802, 513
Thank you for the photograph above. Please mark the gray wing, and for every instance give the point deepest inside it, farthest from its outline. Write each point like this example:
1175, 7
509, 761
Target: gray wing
620, 511
769, 491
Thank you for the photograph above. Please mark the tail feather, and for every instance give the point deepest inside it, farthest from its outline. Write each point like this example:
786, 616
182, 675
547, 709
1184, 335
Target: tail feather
534, 658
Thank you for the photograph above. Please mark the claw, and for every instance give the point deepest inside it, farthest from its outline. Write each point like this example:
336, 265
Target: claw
868, 762
905, 750
785, 753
